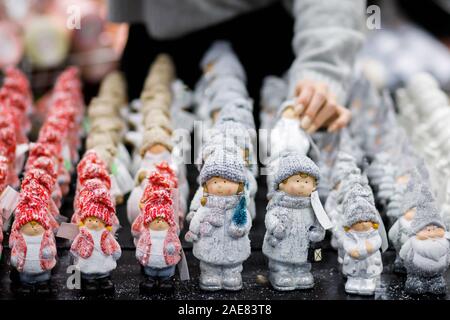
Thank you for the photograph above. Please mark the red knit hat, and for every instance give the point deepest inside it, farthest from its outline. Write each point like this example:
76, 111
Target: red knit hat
98, 210
159, 205
94, 171
156, 181
26, 213
41, 177
168, 173
90, 156
33, 187
44, 163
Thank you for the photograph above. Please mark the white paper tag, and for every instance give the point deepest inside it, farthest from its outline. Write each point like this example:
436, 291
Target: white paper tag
67, 231
8, 202
320, 213
21, 149
183, 268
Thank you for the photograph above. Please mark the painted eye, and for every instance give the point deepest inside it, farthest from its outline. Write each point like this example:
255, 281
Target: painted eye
298, 180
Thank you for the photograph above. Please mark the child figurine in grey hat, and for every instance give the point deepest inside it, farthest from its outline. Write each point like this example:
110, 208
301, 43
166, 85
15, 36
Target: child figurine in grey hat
401, 229
426, 254
219, 229
362, 242
292, 222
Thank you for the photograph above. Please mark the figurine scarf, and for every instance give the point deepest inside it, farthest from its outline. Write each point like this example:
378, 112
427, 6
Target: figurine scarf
282, 199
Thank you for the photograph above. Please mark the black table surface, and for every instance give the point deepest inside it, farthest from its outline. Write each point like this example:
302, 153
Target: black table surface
327, 273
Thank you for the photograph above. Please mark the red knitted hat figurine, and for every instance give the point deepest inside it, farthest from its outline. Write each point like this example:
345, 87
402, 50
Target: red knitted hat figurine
94, 171
156, 181
98, 210
159, 205
26, 213
168, 173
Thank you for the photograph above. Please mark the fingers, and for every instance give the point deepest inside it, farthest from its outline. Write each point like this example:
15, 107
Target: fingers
344, 116
324, 115
304, 92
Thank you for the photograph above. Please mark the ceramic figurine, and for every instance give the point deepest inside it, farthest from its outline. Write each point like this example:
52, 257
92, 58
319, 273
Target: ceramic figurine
219, 230
158, 248
292, 222
33, 248
399, 233
426, 254
362, 242
95, 249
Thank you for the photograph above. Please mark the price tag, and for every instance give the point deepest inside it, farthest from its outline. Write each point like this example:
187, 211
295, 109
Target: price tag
67, 231
8, 202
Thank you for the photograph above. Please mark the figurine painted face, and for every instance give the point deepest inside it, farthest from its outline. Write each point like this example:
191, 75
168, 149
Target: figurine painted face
301, 185
430, 232
158, 224
157, 148
409, 215
32, 229
362, 226
222, 187
94, 223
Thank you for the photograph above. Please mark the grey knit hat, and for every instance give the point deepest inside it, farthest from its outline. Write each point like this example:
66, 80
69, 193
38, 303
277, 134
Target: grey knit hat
217, 142
224, 84
233, 112
426, 214
359, 191
344, 165
236, 131
358, 210
225, 165
273, 92
291, 163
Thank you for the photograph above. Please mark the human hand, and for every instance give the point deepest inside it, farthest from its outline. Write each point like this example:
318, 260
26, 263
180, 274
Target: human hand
316, 106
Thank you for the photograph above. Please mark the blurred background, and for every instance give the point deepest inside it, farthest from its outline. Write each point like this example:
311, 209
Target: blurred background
41, 37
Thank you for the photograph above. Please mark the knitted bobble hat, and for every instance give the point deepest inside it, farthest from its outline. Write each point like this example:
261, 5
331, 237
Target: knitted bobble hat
344, 165
98, 210
360, 210
236, 131
232, 112
26, 213
224, 165
156, 135
291, 163
95, 171
426, 214
359, 191
156, 182
159, 205
168, 173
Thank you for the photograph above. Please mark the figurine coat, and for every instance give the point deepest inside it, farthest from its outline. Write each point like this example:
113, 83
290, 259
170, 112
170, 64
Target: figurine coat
367, 265
171, 250
291, 225
47, 252
220, 241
